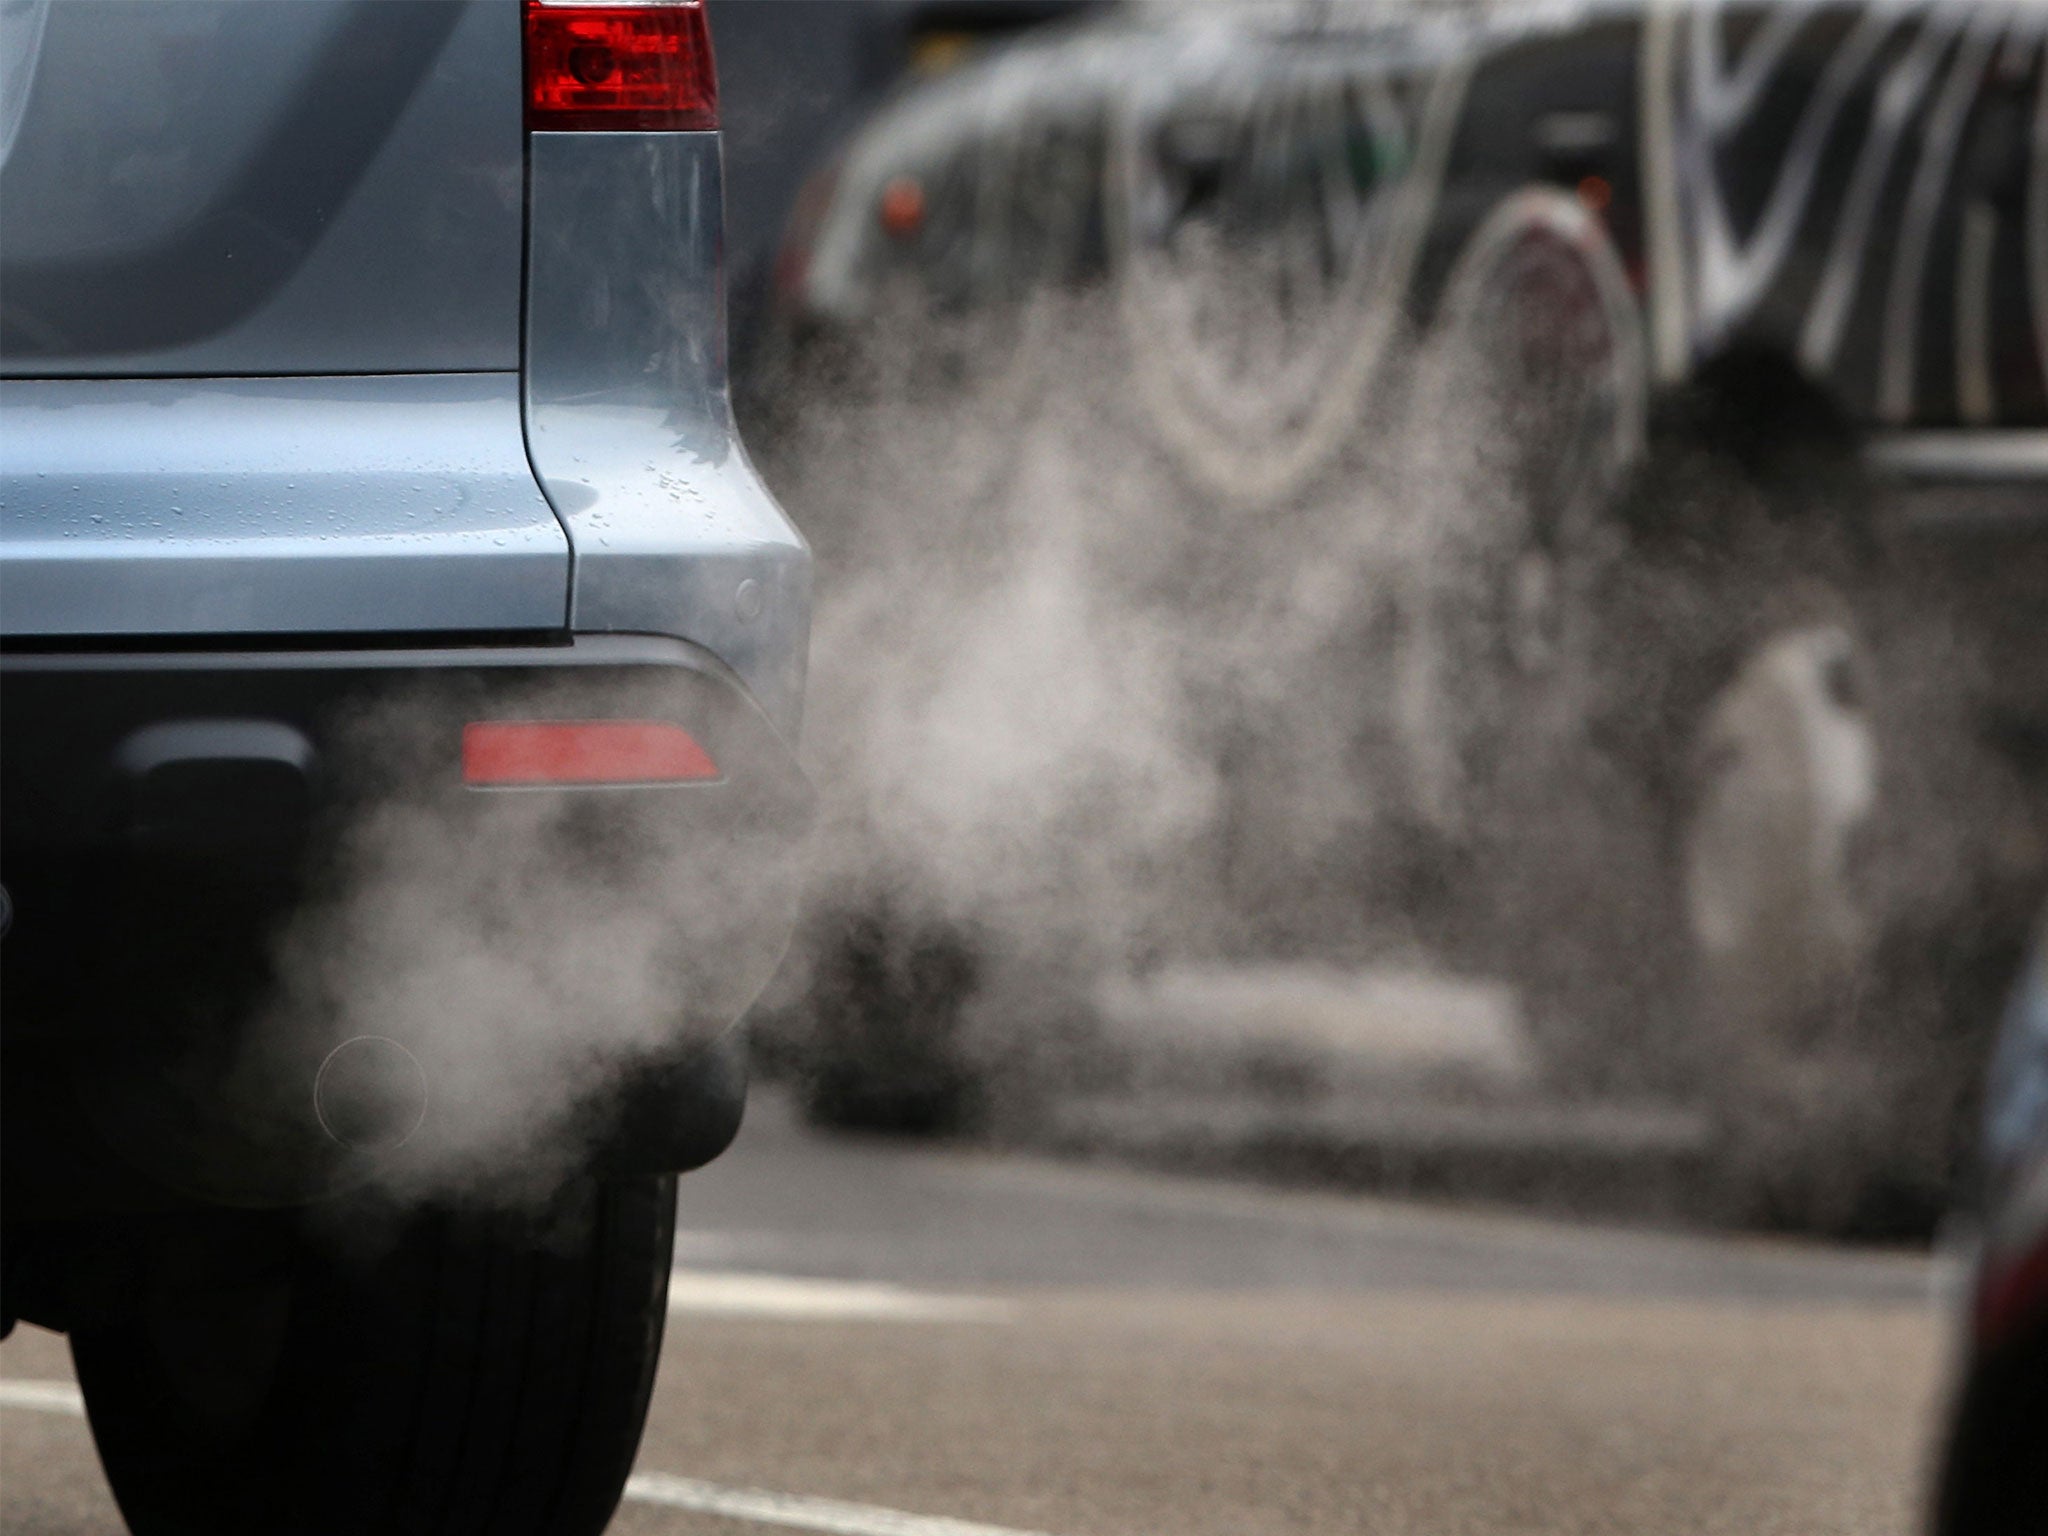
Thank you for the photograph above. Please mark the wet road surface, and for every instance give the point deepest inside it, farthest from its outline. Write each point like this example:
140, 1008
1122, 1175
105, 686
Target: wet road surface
890, 1341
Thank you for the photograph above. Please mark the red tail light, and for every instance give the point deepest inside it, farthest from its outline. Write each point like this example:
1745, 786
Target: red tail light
645, 67
533, 752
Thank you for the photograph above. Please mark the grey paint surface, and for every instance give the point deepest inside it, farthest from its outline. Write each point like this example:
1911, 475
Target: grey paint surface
334, 188
272, 506
627, 416
214, 187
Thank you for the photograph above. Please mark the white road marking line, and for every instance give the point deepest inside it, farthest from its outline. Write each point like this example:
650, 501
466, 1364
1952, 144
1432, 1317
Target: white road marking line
741, 1294
789, 1510
705, 1246
798, 1513
42, 1396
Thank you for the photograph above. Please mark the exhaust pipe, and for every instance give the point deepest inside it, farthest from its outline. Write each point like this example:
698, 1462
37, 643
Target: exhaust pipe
370, 1094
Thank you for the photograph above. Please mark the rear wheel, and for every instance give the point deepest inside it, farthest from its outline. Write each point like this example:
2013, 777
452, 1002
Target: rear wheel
1819, 924
1844, 915
881, 1045
464, 1372
1709, 754
1529, 405
1529, 411
1777, 815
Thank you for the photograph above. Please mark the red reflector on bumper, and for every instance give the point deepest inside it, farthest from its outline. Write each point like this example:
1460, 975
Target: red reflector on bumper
643, 67
510, 752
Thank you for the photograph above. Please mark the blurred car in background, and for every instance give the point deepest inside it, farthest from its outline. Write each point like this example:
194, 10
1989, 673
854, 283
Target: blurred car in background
804, 74
1994, 1477
1702, 351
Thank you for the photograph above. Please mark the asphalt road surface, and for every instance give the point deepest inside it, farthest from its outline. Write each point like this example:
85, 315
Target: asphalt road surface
888, 1341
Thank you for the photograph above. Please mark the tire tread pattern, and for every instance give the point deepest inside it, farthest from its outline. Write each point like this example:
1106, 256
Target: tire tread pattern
476, 1375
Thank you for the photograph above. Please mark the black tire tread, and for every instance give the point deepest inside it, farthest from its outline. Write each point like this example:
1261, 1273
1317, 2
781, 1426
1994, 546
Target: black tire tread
483, 1375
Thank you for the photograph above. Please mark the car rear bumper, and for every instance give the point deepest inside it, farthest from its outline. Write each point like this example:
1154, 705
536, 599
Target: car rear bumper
225, 864
393, 504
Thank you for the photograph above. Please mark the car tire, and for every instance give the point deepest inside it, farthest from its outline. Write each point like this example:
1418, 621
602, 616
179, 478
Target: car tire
1718, 792
461, 1372
1529, 406
1846, 926
1775, 821
1825, 919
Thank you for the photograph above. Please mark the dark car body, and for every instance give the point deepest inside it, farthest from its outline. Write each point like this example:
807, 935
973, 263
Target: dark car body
800, 75
1994, 1477
1759, 288
1856, 189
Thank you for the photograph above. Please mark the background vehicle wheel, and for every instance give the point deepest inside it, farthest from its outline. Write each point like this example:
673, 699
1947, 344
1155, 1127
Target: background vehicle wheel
464, 1372
882, 1022
1530, 405
1777, 816
1842, 916
1848, 929
1710, 757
